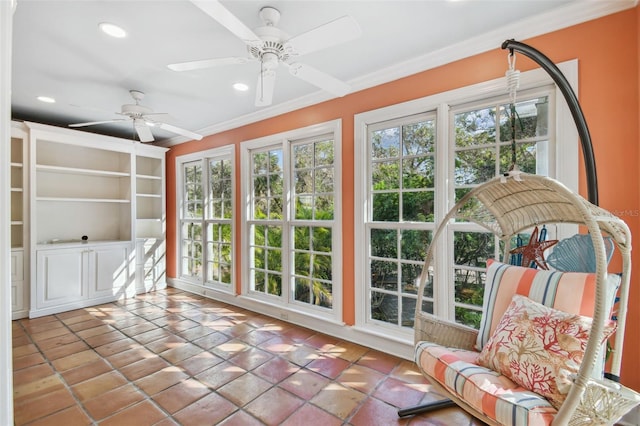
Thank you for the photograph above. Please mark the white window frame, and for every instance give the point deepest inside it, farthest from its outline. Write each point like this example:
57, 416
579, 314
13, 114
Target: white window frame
226, 153
563, 165
283, 141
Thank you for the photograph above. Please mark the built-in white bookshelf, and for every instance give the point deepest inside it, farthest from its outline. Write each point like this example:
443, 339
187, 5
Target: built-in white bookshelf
93, 200
81, 191
150, 193
19, 222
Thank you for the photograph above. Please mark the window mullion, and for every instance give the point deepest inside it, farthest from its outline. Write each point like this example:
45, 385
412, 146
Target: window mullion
445, 197
206, 213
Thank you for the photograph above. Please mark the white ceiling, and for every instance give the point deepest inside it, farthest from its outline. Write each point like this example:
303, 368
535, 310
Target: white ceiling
58, 51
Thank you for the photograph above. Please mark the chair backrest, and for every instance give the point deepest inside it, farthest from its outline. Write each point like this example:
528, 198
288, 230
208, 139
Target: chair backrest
570, 292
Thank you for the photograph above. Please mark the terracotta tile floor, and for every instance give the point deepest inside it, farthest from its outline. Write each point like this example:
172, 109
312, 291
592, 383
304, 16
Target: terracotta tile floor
173, 358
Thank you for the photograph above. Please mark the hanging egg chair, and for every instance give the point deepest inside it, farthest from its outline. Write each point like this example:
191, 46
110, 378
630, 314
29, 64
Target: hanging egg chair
451, 355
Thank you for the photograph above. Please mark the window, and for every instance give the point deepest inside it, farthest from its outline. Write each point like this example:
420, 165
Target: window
206, 227
292, 245
401, 187
413, 162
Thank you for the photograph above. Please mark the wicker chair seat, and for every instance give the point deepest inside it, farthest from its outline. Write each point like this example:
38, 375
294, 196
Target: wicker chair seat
488, 392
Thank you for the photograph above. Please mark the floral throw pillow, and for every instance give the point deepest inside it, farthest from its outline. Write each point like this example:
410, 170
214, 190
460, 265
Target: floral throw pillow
538, 347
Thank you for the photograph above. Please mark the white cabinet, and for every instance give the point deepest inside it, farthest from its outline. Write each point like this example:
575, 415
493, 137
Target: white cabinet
18, 287
91, 199
110, 272
61, 278
77, 276
150, 219
19, 222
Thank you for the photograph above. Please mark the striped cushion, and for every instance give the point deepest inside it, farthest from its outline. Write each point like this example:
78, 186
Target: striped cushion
488, 392
571, 292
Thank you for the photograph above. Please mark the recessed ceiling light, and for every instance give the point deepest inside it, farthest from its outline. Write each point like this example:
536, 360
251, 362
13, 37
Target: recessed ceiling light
240, 87
46, 99
112, 30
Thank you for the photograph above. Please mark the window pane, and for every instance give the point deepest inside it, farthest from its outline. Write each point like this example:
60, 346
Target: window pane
418, 172
475, 166
191, 250
303, 156
476, 127
322, 239
418, 206
266, 255
385, 143
386, 207
415, 244
304, 181
470, 317
411, 277
219, 253
267, 179
418, 138
473, 248
469, 290
324, 153
324, 208
526, 155
303, 290
408, 311
530, 119
384, 307
384, 275
192, 190
219, 189
314, 180
384, 243
385, 175
324, 179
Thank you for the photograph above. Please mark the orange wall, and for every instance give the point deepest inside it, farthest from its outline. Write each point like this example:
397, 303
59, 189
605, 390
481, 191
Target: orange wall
609, 94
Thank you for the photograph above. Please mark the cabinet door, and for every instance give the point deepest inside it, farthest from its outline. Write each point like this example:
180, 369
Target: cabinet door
110, 272
60, 276
17, 285
17, 265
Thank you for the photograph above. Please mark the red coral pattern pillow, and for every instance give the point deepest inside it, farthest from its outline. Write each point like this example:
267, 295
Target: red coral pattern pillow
538, 347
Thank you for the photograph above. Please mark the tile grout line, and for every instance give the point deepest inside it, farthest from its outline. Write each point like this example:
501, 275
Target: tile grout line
135, 310
57, 373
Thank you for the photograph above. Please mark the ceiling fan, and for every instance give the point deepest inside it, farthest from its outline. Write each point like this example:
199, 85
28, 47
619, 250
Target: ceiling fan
272, 47
143, 119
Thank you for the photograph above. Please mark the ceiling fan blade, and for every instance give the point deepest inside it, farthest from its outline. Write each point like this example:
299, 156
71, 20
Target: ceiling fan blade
92, 123
265, 87
179, 131
330, 34
207, 63
143, 131
319, 79
228, 20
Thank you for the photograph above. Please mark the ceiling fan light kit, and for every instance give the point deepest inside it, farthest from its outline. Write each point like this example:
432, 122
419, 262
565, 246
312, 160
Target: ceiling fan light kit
271, 46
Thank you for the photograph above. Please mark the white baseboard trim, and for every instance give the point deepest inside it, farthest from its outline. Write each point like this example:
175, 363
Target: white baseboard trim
400, 348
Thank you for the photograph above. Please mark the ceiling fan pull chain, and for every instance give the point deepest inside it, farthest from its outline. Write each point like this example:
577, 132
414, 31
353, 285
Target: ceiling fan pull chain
261, 80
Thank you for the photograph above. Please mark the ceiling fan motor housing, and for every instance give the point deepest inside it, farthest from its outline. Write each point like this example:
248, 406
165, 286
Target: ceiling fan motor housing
135, 111
273, 47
